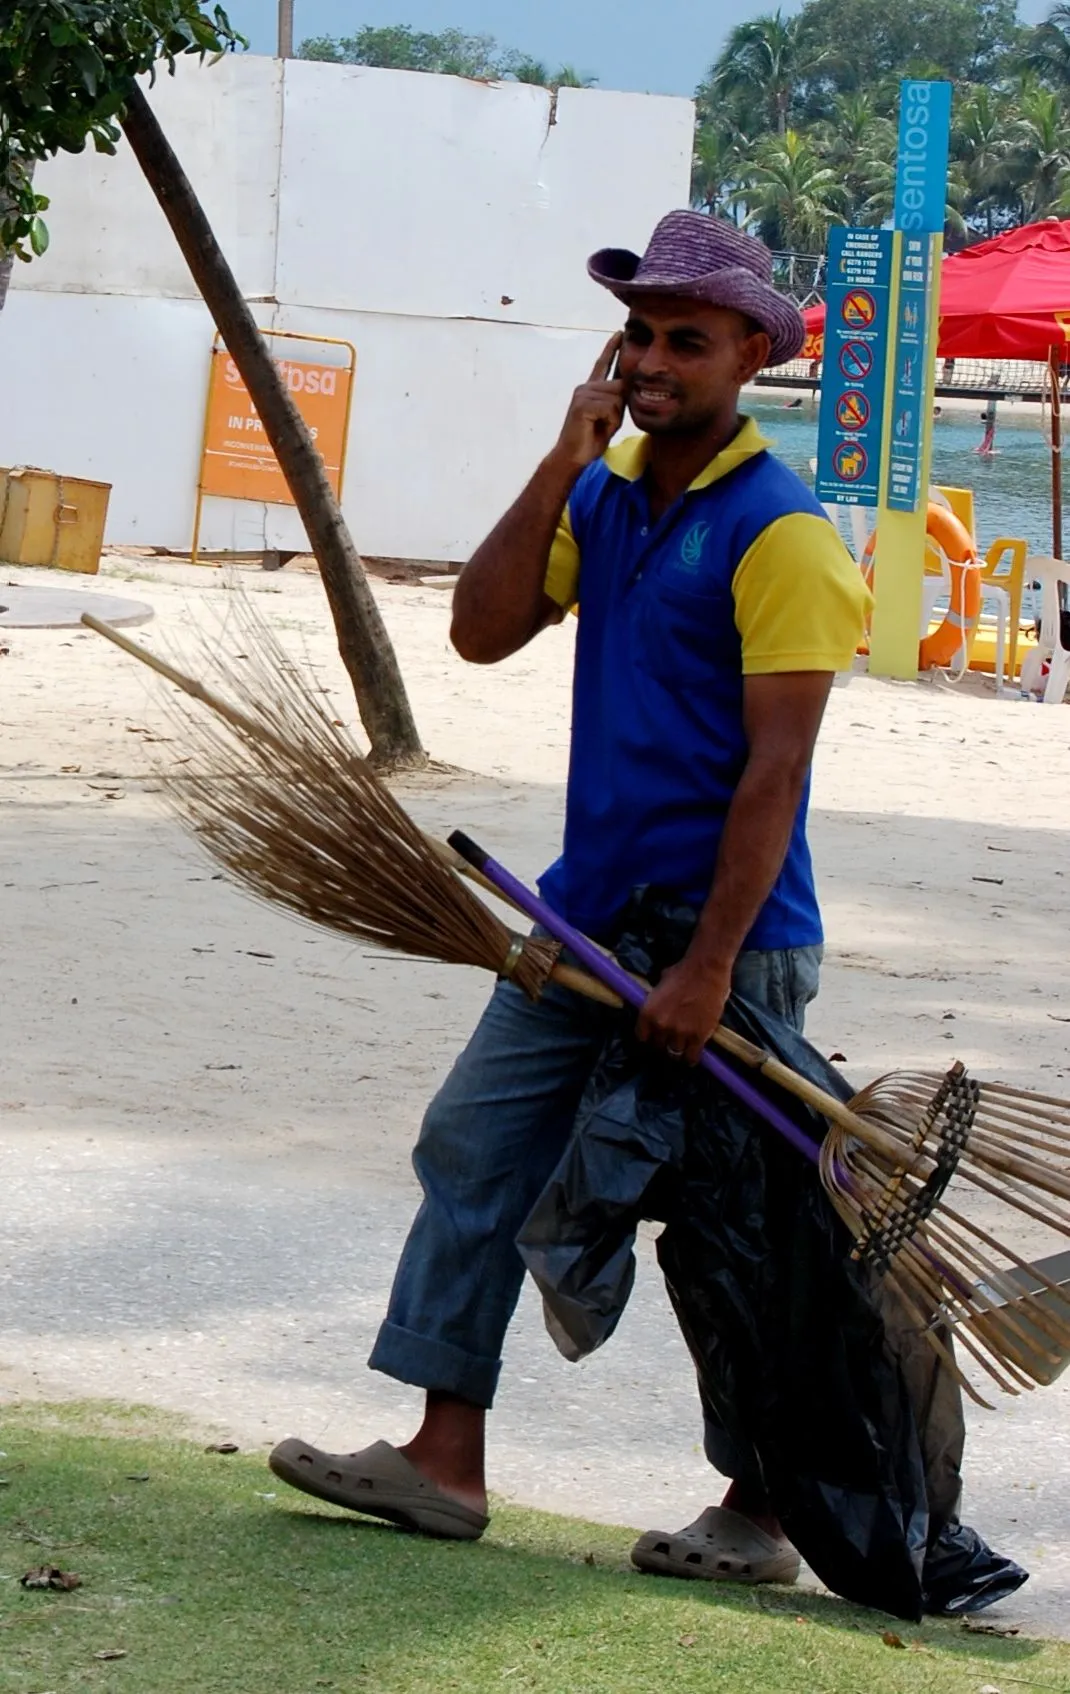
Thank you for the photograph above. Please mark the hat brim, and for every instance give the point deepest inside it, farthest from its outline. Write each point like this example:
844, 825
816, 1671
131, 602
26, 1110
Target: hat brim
730, 286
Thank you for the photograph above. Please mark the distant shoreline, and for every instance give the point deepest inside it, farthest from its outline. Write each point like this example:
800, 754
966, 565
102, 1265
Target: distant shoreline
774, 394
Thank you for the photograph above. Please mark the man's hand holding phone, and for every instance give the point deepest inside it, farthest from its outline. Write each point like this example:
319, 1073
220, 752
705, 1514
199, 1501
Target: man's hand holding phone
596, 412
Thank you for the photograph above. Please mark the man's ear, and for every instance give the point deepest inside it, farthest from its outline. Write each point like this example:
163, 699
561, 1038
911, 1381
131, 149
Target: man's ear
754, 354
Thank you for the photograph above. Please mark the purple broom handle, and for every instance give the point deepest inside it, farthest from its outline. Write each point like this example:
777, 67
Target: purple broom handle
614, 976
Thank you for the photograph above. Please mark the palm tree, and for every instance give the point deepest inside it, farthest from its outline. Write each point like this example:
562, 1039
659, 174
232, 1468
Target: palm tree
792, 195
567, 76
852, 135
1047, 49
981, 144
537, 72
715, 170
760, 58
524, 69
879, 172
1040, 158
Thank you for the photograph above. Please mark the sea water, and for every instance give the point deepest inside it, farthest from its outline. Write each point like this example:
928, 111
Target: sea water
1011, 489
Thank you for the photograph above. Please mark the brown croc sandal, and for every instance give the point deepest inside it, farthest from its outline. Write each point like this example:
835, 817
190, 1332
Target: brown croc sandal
379, 1481
720, 1546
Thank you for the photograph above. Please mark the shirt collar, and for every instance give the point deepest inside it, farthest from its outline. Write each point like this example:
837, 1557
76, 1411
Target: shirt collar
628, 459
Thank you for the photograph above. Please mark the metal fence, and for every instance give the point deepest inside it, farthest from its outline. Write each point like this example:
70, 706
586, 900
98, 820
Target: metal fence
802, 276
1002, 379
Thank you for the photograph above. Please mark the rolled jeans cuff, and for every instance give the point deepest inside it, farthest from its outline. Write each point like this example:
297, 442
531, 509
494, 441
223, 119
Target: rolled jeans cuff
437, 1366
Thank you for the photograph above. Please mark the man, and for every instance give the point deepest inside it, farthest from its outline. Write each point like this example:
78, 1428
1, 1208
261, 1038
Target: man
715, 605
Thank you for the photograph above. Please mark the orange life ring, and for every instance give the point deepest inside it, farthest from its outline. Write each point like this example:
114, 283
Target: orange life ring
949, 644
944, 646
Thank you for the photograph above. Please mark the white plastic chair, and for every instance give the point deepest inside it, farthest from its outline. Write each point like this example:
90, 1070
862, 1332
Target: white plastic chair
934, 588
1052, 574
862, 527
853, 523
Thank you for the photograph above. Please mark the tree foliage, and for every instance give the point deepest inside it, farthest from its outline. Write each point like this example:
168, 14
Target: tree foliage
65, 71
450, 52
798, 115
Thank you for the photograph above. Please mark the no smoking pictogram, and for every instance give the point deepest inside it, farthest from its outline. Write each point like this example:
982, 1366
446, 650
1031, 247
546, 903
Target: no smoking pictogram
859, 309
856, 360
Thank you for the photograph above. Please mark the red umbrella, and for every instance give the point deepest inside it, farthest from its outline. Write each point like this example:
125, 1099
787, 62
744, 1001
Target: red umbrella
814, 319
1008, 298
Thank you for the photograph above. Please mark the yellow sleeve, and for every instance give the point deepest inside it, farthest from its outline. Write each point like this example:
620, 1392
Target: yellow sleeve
563, 571
801, 601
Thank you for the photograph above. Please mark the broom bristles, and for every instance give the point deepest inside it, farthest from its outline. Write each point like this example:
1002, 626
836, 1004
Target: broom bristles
283, 799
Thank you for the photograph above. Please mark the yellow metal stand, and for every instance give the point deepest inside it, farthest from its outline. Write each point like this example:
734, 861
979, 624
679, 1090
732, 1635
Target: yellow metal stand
281, 335
899, 561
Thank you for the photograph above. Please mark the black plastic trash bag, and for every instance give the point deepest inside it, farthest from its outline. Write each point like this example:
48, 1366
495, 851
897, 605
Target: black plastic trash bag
963, 1575
794, 1355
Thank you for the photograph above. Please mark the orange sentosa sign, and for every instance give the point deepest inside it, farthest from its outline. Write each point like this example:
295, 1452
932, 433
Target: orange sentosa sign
237, 462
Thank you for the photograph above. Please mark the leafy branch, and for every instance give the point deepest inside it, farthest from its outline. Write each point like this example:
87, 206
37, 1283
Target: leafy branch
65, 72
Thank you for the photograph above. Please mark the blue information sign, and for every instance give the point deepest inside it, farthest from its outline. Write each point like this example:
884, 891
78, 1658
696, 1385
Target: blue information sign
910, 372
921, 172
851, 421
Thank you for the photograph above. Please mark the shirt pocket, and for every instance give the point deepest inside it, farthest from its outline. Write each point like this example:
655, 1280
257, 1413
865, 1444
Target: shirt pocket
687, 637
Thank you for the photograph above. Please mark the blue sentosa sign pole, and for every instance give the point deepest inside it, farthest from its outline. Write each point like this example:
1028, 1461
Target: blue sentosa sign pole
920, 204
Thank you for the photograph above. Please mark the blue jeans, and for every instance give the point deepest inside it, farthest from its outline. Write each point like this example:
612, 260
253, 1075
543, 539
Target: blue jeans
489, 1143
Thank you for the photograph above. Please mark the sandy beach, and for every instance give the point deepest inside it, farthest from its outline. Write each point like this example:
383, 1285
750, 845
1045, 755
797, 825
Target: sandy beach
208, 1109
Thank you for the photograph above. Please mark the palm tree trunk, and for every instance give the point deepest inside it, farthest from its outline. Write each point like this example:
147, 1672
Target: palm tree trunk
362, 638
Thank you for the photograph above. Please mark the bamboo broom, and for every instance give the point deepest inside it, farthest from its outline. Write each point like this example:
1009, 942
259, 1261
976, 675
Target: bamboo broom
300, 818
284, 800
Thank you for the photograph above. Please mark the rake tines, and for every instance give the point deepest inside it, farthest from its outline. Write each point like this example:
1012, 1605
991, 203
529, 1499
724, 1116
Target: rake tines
903, 1140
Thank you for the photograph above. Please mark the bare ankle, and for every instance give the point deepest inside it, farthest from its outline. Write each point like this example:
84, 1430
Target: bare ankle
754, 1505
448, 1448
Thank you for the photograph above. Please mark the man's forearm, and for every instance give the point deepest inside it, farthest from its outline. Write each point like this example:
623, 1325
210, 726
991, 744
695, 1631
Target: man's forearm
500, 601
782, 715
753, 848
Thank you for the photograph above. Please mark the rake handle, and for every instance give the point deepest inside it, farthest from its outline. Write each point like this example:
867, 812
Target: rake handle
756, 1058
631, 990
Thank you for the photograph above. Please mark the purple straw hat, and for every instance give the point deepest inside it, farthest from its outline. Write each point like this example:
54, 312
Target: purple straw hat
704, 258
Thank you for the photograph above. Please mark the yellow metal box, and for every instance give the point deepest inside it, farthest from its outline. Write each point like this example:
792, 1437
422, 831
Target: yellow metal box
48, 519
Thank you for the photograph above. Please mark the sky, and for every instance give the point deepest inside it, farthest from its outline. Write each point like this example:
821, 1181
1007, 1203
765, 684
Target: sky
660, 48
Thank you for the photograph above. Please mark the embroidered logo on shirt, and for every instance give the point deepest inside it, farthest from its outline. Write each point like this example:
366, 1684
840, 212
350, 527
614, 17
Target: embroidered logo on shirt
691, 548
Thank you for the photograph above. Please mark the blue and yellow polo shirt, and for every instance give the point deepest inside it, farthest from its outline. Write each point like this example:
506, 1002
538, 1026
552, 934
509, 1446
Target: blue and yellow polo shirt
742, 576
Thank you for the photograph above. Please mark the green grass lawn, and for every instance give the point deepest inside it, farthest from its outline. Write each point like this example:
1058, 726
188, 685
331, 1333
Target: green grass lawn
208, 1575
